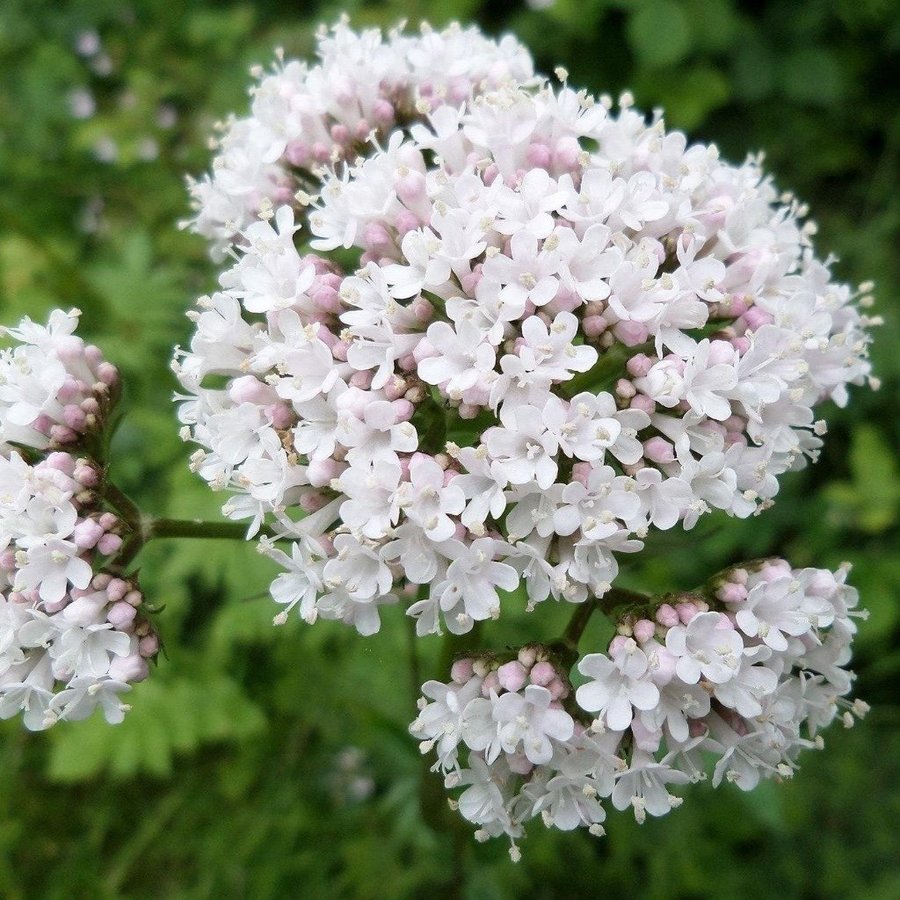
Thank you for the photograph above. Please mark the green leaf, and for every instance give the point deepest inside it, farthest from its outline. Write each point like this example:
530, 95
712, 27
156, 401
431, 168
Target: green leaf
174, 715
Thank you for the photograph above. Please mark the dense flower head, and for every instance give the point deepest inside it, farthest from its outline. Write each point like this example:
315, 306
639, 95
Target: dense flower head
567, 327
73, 635
747, 671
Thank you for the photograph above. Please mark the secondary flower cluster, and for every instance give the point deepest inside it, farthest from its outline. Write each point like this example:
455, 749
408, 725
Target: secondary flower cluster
55, 390
751, 677
304, 117
569, 327
72, 636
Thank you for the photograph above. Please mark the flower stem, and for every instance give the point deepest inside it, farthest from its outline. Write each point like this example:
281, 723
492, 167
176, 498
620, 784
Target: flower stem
124, 504
194, 528
612, 600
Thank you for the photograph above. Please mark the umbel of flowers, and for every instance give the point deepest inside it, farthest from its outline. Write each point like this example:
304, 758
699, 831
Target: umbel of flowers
747, 671
72, 632
563, 327
477, 336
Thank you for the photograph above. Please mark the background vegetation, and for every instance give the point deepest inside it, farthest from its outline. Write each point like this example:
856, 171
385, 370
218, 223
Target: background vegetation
268, 763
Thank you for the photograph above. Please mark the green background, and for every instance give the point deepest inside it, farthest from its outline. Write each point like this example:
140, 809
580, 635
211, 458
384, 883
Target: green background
262, 762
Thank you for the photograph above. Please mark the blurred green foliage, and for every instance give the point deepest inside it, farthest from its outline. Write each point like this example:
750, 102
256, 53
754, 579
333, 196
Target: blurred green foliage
262, 762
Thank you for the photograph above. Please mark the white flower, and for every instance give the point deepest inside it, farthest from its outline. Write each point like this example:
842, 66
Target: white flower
617, 685
708, 647
529, 721
643, 786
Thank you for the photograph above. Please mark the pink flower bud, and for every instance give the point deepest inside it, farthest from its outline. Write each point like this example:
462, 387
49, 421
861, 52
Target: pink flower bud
107, 373
720, 353
120, 615
631, 333
298, 153
625, 389
639, 365
755, 318
666, 616
581, 472
86, 534
62, 462
376, 238
527, 656
558, 689
403, 410
249, 389
566, 153
470, 280
148, 645
406, 221
362, 380
422, 309
382, 113
643, 403
659, 450
686, 611
644, 630
512, 676
539, 156
461, 670
320, 472
411, 188
594, 325
116, 588
732, 593
490, 683
340, 134
86, 475
542, 673
131, 668
60, 434
109, 544
310, 501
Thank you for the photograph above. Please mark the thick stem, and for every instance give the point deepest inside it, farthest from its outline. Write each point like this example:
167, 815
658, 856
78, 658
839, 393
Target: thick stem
194, 528
612, 600
129, 510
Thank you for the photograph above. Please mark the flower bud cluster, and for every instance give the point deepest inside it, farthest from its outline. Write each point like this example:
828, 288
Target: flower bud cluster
54, 388
304, 117
569, 327
72, 637
749, 675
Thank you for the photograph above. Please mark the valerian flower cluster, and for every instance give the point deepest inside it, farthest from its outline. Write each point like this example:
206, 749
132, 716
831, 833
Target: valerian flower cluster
478, 335
566, 327
748, 671
72, 635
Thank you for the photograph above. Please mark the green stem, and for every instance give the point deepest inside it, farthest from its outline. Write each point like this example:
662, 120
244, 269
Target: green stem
130, 511
194, 528
608, 603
